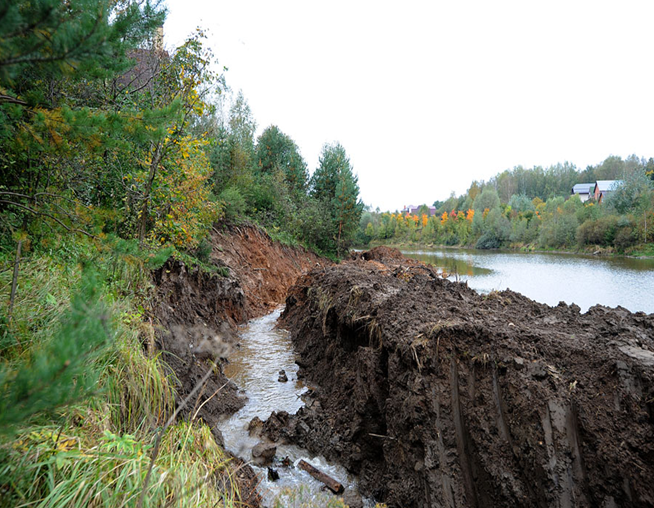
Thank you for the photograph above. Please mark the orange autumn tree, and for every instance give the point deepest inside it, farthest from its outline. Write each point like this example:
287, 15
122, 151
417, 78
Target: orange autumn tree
444, 218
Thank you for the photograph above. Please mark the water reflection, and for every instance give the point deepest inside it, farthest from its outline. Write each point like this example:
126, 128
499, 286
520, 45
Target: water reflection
451, 265
254, 367
551, 278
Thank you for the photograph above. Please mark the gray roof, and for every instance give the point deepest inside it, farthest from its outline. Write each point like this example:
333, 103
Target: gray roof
583, 188
608, 185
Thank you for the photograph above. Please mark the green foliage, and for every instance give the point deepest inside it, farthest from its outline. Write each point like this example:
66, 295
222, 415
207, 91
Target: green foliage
598, 232
88, 37
57, 372
533, 207
487, 200
337, 187
521, 203
64, 468
488, 241
276, 151
234, 202
631, 194
313, 225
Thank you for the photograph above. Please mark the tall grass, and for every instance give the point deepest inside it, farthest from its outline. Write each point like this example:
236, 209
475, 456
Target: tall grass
50, 467
97, 451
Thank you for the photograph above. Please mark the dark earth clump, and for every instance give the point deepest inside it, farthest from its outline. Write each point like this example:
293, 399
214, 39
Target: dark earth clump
437, 396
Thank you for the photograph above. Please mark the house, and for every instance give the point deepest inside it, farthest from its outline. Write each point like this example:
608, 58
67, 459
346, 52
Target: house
413, 210
603, 188
583, 190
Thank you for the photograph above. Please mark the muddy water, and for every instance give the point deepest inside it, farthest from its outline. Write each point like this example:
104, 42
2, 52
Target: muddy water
551, 278
254, 367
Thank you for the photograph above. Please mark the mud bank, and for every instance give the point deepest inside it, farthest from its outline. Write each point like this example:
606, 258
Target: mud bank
196, 315
436, 396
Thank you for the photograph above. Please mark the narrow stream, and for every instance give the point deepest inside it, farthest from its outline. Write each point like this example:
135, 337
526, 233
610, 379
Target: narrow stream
254, 367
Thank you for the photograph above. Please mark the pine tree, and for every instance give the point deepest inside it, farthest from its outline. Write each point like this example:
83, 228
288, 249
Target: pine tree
275, 150
335, 184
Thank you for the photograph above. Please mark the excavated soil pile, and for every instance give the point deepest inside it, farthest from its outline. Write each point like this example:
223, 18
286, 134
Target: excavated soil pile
437, 396
197, 314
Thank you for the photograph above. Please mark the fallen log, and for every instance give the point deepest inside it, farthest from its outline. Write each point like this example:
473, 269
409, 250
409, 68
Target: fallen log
331, 484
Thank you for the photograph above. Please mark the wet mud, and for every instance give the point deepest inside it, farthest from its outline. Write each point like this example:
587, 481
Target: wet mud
436, 396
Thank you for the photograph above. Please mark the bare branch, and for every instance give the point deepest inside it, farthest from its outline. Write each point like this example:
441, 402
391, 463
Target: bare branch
8, 99
44, 214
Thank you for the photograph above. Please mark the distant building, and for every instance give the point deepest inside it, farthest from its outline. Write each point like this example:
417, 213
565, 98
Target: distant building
603, 188
147, 67
583, 190
413, 210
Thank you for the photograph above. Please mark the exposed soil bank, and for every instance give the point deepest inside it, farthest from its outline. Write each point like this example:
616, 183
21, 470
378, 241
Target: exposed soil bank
437, 396
197, 314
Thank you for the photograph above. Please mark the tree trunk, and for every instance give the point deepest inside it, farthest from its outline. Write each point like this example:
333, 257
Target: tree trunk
338, 242
331, 484
143, 220
14, 280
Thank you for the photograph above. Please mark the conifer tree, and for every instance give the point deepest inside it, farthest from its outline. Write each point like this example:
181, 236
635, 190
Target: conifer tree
276, 150
334, 183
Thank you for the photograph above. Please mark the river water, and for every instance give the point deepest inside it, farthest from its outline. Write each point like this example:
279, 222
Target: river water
551, 278
264, 350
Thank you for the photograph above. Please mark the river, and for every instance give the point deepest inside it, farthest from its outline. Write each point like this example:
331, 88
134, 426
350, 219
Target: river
551, 278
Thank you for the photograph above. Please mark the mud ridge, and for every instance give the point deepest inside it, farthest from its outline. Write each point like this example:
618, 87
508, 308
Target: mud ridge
436, 396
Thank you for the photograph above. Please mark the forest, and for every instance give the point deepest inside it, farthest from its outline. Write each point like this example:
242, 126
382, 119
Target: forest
118, 153
533, 209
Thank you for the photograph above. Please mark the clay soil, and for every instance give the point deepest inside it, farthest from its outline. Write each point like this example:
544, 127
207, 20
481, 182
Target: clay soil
196, 315
437, 396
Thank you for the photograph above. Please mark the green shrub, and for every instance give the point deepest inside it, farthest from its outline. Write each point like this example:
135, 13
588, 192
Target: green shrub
235, 204
624, 238
488, 241
598, 232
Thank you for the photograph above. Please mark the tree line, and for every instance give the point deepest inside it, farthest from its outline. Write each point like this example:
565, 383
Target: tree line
105, 132
533, 208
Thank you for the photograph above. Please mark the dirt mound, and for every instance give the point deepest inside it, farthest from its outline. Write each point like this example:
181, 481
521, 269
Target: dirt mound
438, 396
381, 253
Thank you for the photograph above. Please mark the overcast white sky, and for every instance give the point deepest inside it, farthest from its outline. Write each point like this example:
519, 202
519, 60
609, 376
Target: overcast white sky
428, 96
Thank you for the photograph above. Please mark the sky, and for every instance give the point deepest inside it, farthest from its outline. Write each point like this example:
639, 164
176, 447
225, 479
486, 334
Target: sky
427, 96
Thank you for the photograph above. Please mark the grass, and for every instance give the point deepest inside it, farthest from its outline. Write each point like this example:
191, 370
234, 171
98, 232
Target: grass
643, 250
53, 467
96, 450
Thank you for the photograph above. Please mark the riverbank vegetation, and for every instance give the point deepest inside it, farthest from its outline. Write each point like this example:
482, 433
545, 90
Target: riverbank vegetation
116, 153
533, 209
